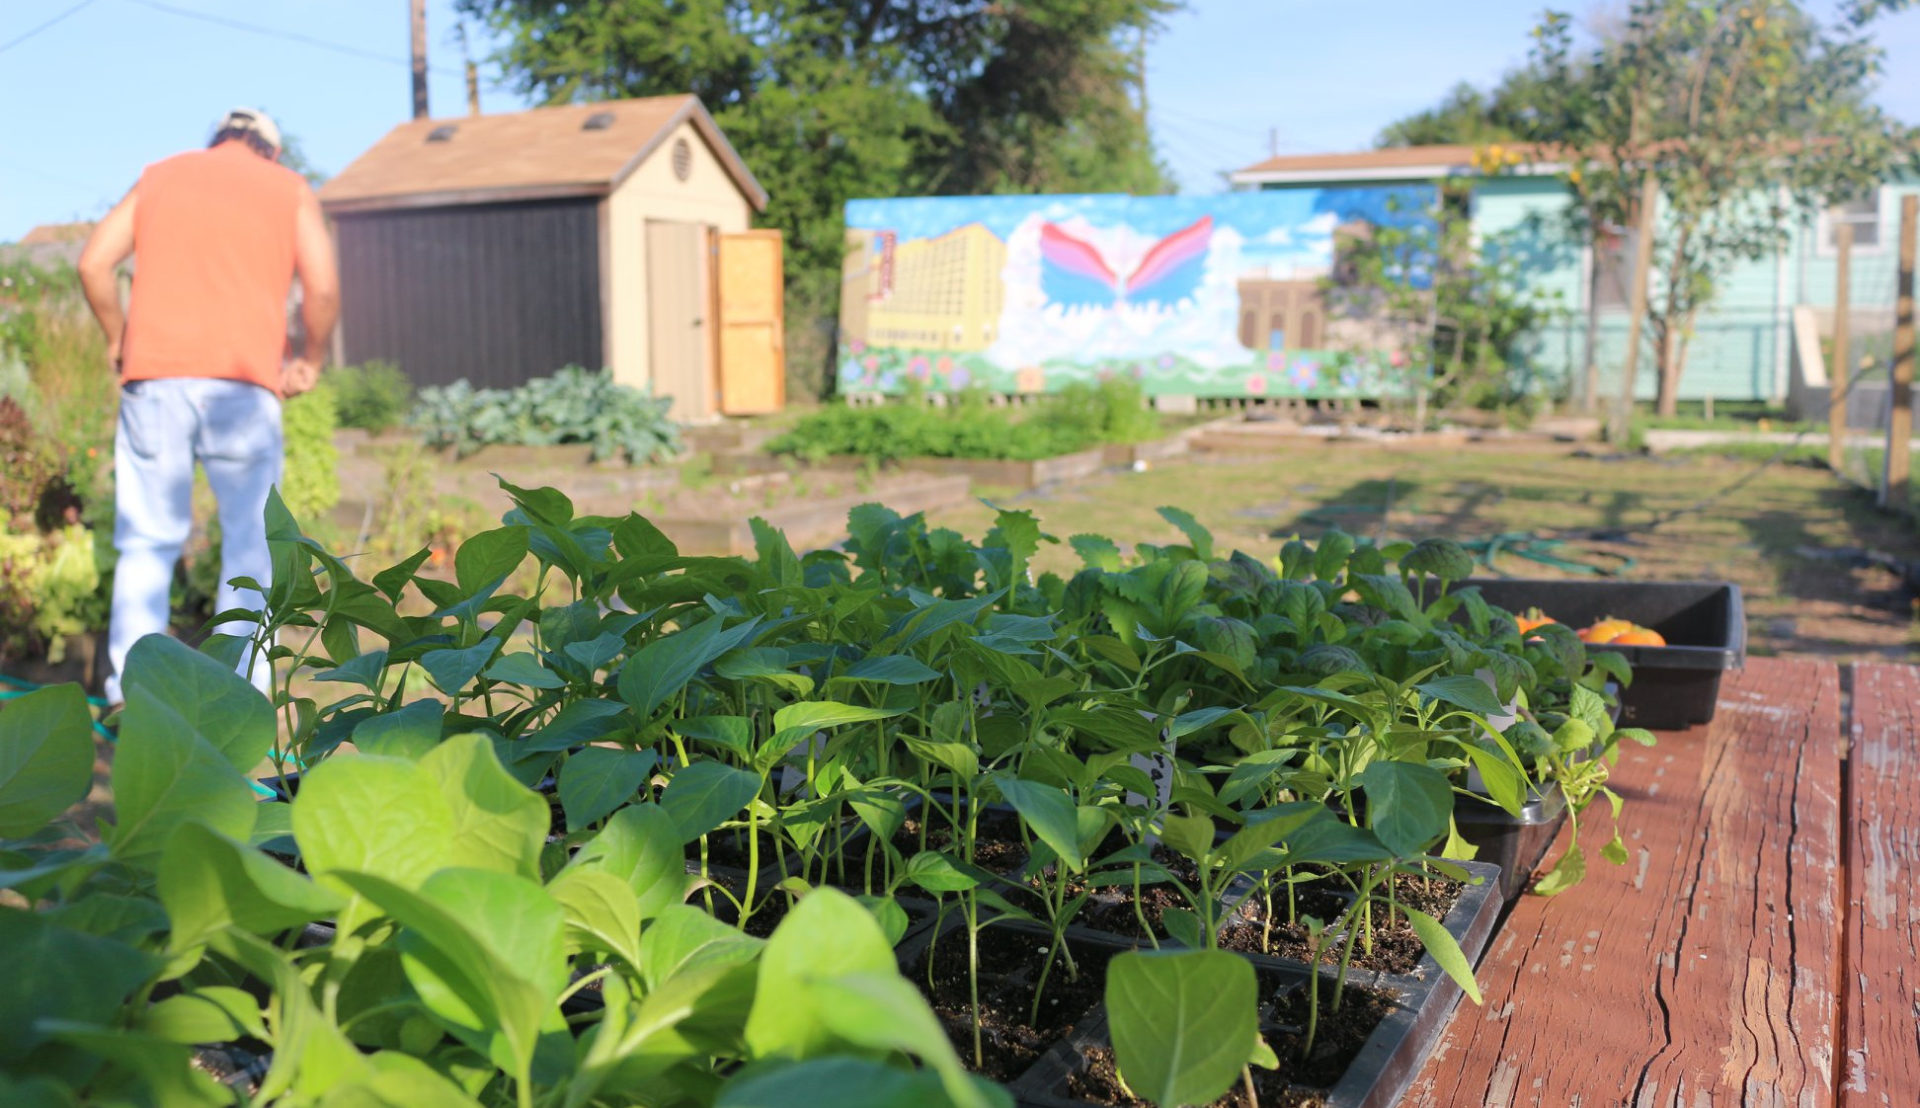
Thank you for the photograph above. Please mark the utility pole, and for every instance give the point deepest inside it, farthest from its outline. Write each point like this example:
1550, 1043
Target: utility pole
1637, 308
1838, 369
1894, 490
419, 20
473, 72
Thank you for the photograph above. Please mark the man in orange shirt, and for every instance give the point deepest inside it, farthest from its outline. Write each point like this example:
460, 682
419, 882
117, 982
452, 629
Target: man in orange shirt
217, 236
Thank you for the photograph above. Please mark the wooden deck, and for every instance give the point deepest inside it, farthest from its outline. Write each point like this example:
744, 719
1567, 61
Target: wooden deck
1758, 948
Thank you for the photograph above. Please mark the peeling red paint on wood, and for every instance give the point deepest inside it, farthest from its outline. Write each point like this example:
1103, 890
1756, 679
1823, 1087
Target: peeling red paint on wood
1705, 970
1881, 1064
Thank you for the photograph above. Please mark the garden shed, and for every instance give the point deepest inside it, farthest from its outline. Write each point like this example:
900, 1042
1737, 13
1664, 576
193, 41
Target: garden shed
498, 248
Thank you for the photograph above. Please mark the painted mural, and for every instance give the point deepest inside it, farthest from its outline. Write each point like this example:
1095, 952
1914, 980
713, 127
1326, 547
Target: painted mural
1204, 296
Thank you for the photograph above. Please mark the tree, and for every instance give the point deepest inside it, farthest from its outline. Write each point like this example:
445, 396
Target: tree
1748, 116
1468, 117
829, 100
1456, 303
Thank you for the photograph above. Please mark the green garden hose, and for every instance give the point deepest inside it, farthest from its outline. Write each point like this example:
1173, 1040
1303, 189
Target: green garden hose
1536, 548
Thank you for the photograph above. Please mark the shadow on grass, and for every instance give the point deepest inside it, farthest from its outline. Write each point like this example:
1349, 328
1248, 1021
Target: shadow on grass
1358, 509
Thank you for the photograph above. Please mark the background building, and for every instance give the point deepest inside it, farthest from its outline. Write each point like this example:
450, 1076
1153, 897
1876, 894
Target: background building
496, 248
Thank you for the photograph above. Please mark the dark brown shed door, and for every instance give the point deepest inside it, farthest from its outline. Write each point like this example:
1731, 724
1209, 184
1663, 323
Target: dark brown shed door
494, 293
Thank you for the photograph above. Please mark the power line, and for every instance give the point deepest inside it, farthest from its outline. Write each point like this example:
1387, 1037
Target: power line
288, 36
13, 42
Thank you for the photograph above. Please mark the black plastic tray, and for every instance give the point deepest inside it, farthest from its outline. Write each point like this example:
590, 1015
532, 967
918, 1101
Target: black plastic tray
1674, 686
1392, 1055
1514, 843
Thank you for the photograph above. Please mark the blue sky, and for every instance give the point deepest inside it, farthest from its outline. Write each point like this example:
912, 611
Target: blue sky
120, 83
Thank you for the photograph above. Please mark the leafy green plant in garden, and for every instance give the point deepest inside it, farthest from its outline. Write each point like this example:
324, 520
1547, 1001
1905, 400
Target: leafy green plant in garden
310, 479
456, 957
593, 713
375, 396
574, 405
965, 425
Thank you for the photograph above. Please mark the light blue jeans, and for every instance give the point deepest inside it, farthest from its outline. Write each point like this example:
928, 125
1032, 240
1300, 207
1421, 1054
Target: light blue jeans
233, 430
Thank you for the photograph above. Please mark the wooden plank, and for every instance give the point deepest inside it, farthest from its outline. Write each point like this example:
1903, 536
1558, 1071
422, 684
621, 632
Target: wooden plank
1704, 970
1882, 1062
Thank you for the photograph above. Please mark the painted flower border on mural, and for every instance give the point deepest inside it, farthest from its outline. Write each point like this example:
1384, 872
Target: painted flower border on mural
1214, 296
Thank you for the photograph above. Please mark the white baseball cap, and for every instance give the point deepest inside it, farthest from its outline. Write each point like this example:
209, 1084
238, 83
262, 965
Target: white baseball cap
252, 119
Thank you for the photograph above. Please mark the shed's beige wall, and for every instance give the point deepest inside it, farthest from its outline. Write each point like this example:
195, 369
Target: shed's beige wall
707, 196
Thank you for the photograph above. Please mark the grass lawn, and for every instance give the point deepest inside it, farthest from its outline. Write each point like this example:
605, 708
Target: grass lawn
1795, 539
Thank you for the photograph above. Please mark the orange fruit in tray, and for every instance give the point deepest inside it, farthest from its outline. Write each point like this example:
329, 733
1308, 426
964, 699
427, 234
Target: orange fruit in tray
1606, 630
1533, 618
1641, 636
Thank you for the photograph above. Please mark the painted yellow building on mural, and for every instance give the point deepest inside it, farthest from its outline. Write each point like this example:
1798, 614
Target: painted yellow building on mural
942, 293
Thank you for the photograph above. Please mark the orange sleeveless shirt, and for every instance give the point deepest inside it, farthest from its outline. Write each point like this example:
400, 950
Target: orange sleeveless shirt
213, 235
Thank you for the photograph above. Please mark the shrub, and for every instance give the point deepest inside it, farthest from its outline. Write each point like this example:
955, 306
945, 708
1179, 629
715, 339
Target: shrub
370, 397
50, 587
574, 405
310, 483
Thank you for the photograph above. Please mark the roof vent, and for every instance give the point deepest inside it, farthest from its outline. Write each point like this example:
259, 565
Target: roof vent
442, 133
598, 121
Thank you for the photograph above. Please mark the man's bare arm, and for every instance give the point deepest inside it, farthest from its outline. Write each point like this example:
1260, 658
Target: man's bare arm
319, 294
110, 244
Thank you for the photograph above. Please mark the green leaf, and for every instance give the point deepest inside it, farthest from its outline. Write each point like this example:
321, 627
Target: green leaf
766, 663
1096, 551
498, 823
1199, 537
640, 845
164, 775
1445, 950
1506, 785
827, 934
485, 559
1190, 835
46, 757
599, 779
209, 1014
880, 1010
54, 973
576, 724
484, 950
382, 816
838, 1082
818, 715
602, 913
208, 881
685, 938
1183, 1024
394, 578
892, 669
407, 732
663, 667
171, 685
1113, 650
364, 670
704, 795
1463, 691
1408, 805
776, 554
735, 733
1049, 812
453, 669
1569, 871
523, 669
936, 873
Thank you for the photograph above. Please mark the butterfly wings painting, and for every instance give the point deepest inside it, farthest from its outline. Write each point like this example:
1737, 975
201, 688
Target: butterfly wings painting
1074, 274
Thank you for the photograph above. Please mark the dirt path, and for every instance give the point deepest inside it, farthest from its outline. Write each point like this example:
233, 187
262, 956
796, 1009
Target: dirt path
1812, 556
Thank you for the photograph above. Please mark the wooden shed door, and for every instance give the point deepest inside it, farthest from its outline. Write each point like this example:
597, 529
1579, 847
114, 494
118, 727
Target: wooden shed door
753, 366
678, 341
